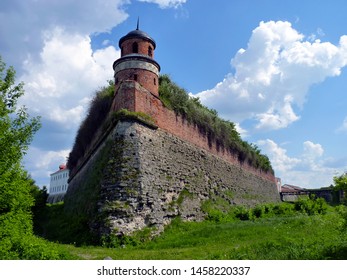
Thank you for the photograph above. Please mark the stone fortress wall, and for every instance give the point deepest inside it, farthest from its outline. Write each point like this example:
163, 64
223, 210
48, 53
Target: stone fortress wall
137, 175
152, 176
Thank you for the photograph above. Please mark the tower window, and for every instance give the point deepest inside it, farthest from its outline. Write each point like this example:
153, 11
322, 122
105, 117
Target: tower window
154, 81
135, 47
135, 77
122, 51
150, 51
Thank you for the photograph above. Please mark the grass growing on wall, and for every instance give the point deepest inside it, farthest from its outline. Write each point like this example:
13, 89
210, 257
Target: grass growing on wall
210, 124
99, 108
217, 130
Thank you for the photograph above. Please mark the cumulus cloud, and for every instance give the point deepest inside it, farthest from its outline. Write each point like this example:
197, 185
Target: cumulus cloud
166, 3
26, 22
310, 169
280, 160
273, 75
59, 86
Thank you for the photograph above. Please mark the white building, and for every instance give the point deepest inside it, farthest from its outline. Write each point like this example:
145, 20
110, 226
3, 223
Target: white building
58, 185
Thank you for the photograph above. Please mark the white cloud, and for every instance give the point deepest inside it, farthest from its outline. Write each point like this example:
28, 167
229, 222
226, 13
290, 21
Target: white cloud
312, 151
275, 119
26, 21
274, 73
68, 73
43, 163
166, 3
343, 127
278, 156
309, 169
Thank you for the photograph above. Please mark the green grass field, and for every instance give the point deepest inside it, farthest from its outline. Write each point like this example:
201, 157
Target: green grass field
293, 237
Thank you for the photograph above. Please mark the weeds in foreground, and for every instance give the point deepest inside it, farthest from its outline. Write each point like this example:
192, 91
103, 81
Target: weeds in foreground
265, 232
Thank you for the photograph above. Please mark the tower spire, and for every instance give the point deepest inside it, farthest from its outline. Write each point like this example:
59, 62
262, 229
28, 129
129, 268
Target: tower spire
138, 23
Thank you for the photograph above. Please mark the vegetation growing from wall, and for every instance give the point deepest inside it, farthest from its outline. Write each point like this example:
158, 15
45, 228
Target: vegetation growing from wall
99, 108
98, 119
124, 114
216, 129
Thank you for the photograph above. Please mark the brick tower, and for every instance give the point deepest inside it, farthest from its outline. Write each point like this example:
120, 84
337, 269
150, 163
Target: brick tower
136, 70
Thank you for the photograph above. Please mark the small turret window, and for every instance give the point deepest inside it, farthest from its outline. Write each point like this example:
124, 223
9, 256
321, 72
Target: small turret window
150, 51
135, 47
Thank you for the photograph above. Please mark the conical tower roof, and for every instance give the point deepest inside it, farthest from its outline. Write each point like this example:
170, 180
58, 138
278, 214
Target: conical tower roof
137, 33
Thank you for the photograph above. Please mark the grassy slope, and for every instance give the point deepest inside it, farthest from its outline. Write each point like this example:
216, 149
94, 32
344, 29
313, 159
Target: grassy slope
295, 237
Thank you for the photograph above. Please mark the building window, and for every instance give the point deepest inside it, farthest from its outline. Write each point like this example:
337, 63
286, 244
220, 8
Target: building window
122, 51
150, 51
135, 47
154, 81
135, 77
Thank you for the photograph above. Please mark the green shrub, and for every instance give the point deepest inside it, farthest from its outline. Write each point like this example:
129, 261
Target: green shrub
258, 211
18, 242
136, 239
283, 209
242, 213
217, 216
311, 206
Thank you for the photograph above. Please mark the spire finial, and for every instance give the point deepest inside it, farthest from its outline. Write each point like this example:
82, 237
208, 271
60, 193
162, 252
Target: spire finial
138, 23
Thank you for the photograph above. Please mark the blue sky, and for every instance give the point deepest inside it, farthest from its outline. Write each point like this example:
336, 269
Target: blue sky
277, 70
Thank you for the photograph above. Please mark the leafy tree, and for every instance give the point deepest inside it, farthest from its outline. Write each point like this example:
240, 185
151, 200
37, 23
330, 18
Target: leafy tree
341, 182
16, 132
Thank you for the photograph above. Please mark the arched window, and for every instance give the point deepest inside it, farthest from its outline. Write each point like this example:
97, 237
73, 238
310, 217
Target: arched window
135, 47
150, 51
